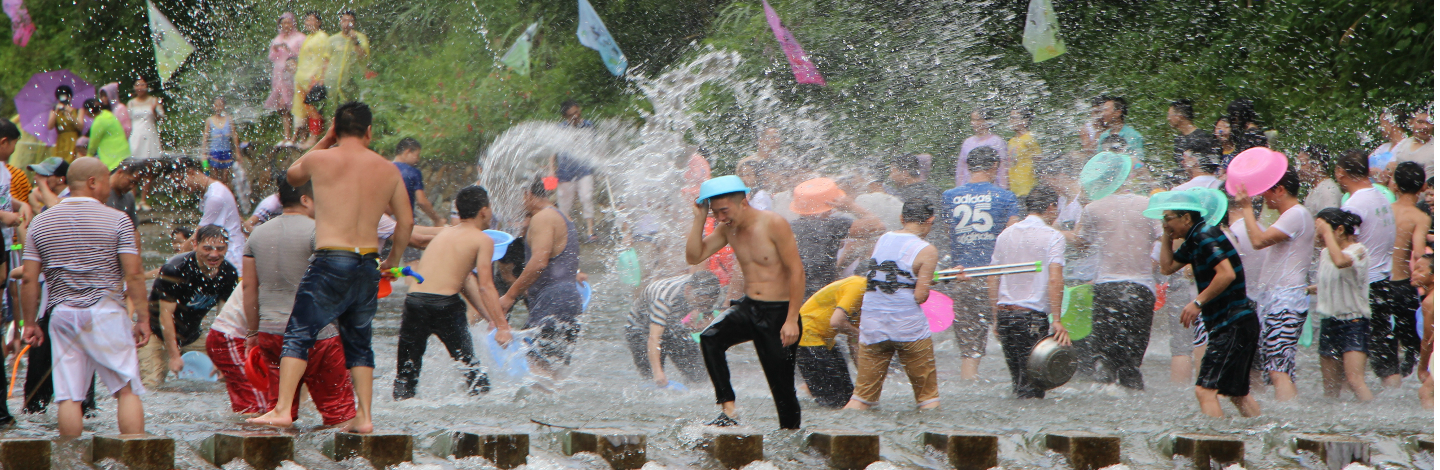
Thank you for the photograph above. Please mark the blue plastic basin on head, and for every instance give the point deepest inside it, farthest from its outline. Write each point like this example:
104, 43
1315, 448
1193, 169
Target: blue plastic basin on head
722, 185
502, 242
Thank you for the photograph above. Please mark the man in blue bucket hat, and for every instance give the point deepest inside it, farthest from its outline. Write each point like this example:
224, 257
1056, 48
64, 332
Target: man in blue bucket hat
1228, 316
769, 314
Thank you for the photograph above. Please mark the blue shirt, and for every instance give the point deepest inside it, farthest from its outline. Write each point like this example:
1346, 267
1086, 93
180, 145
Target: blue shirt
1134, 142
1204, 248
974, 215
414, 181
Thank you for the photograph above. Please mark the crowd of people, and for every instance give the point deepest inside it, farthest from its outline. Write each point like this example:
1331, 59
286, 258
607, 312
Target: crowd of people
1338, 247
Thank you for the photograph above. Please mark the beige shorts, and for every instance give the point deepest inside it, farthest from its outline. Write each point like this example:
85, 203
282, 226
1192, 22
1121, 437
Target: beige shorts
92, 340
873, 362
974, 316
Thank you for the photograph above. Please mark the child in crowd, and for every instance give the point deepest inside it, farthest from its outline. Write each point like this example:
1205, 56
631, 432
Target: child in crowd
1342, 303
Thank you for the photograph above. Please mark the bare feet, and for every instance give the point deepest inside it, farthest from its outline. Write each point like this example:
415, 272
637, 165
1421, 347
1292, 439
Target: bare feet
359, 427
275, 418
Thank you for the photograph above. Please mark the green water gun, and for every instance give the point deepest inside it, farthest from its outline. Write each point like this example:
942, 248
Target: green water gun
992, 270
406, 271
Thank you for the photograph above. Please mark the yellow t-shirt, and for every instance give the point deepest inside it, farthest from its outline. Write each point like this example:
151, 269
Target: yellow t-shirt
844, 294
1022, 173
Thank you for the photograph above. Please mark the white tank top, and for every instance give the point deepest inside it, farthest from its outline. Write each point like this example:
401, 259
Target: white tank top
889, 311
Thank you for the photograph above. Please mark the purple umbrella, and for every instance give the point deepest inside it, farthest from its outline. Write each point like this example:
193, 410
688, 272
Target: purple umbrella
35, 101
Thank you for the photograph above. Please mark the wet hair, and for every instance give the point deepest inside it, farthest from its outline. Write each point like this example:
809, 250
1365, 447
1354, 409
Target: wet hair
1040, 199
1195, 217
352, 119
1290, 181
470, 200
186, 164
1185, 107
1399, 115
567, 105
704, 283
317, 16
407, 144
64, 90
1355, 163
349, 13
211, 232
1409, 177
916, 210
1241, 112
93, 106
908, 163
1120, 104
317, 94
8, 130
184, 231
537, 188
290, 195
1318, 153
983, 159
130, 166
1347, 221
1026, 114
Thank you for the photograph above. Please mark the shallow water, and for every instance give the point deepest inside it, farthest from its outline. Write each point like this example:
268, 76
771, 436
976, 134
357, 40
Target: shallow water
602, 390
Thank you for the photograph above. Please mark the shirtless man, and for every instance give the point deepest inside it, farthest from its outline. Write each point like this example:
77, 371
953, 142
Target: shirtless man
353, 188
1411, 226
548, 281
769, 314
457, 253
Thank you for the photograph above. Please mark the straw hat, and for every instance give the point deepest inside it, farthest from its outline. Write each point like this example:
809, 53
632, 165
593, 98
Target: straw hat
815, 196
1104, 174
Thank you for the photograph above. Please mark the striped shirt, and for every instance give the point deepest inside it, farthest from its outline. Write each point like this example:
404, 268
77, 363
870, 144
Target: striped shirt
77, 243
663, 303
19, 184
1205, 247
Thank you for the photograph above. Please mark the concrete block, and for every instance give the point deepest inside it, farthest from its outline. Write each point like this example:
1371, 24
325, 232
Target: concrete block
1205, 449
965, 450
1085, 450
505, 450
1334, 451
25, 454
734, 449
846, 450
136, 451
261, 450
1426, 443
623, 450
382, 450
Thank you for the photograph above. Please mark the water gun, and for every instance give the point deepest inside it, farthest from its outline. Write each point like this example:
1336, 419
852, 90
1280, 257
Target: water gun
992, 270
17, 247
385, 289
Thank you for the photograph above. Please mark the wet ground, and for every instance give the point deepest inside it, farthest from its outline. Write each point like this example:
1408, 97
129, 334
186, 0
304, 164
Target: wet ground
602, 389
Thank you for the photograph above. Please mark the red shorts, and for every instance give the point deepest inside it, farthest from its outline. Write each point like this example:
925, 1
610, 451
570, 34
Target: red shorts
325, 375
228, 354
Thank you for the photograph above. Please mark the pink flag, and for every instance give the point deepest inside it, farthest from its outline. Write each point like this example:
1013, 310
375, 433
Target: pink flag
20, 21
805, 71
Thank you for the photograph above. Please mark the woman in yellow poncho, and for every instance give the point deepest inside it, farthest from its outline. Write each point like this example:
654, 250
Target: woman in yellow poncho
310, 67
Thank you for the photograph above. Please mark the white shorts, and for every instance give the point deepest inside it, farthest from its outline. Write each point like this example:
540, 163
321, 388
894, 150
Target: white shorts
92, 340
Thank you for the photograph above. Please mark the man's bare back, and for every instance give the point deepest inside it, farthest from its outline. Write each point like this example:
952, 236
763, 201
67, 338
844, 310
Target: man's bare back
1411, 225
354, 186
450, 257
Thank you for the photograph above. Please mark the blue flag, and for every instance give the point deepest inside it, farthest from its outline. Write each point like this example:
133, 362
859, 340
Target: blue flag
592, 34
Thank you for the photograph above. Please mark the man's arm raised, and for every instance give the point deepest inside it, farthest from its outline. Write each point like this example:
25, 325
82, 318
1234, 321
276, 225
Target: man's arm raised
404, 221
784, 240
297, 174
699, 247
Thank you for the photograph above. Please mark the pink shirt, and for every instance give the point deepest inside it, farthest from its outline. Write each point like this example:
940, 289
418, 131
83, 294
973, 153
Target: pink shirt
962, 165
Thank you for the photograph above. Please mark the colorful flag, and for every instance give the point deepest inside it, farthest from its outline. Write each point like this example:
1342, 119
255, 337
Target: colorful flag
20, 22
518, 57
592, 34
805, 71
171, 47
1041, 27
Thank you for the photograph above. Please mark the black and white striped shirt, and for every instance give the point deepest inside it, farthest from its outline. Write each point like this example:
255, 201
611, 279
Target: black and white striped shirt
78, 243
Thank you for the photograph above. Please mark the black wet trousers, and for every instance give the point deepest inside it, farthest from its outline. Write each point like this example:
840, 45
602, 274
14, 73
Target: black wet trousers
442, 316
758, 321
827, 374
1123, 313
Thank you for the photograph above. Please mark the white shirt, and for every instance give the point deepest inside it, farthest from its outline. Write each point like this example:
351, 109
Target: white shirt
894, 316
1122, 238
1377, 229
1287, 262
1411, 150
218, 208
1028, 241
231, 319
1325, 194
1202, 181
1343, 293
1251, 259
760, 199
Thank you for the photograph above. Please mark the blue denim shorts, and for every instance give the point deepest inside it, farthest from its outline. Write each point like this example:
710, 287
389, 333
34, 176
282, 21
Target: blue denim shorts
340, 287
1338, 337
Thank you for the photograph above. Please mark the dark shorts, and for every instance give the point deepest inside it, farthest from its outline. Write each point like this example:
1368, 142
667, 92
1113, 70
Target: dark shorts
1226, 365
555, 341
340, 288
1338, 337
222, 159
557, 303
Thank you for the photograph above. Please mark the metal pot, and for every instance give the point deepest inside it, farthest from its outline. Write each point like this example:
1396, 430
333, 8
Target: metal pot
1051, 364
